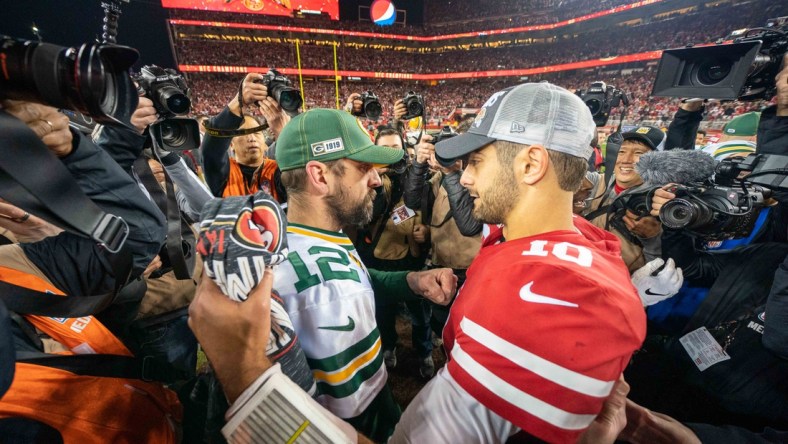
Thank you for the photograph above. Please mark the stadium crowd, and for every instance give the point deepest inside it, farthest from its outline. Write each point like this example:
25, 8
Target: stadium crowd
670, 33
444, 98
239, 273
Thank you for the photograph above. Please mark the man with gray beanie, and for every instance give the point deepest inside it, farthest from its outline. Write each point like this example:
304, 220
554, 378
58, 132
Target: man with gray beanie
535, 344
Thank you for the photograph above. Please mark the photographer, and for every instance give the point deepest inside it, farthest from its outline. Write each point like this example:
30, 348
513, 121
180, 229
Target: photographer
249, 170
639, 234
67, 264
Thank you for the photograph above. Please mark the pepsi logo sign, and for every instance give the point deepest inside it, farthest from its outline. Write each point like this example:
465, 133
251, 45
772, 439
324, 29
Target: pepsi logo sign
383, 12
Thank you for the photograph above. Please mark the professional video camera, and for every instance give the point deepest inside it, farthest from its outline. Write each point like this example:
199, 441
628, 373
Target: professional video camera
170, 95
91, 79
414, 103
279, 88
743, 70
600, 99
713, 211
370, 108
725, 207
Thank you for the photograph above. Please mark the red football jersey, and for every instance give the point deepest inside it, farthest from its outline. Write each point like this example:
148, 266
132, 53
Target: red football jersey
543, 328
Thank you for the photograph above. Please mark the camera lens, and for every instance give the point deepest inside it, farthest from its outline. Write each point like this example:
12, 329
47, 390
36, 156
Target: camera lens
682, 213
415, 108
594, 105
174, 99
713, 71
373, 110
288, 98
171, 133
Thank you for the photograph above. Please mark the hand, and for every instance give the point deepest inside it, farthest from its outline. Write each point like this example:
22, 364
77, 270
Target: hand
660, 198
154, 265
274, 115
26, 227
644, 227
354, 104
782, 89
647, 427
611, 420
234, 335
251, 91
424, 149
665, 284
456, 166
438, 285
399, 109
420, 233
48, 124
144, 115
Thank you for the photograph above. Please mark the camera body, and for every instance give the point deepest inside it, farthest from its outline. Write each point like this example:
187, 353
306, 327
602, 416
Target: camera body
414, 103
166, 88
742, 70
445, 133
766, 170
371, 107
600, 98
712, 211
280, 89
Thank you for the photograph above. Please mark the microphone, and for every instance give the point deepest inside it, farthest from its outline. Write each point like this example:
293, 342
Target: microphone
659, 168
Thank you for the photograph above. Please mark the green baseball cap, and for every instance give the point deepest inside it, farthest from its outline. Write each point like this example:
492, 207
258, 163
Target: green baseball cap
328, 134
743, 125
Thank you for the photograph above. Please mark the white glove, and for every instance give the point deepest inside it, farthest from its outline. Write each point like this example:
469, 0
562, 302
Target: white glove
653, 289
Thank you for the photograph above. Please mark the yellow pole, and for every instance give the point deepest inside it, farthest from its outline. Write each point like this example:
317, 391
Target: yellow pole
300, 77
336, 73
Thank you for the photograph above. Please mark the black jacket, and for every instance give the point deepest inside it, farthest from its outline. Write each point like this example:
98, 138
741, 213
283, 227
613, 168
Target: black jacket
76, 264
418, 196
216, 165
682, 130
772, 133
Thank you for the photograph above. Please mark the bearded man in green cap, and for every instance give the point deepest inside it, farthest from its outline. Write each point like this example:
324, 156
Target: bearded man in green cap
328, 164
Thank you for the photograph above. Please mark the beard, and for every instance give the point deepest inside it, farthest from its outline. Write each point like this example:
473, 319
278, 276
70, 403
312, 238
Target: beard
348, 213
494, 203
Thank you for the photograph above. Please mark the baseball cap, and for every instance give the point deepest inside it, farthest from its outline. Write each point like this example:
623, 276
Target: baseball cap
743, 125
529, 114
328, 134
652, 136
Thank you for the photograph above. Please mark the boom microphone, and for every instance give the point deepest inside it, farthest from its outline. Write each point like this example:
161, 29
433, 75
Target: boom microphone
659, 168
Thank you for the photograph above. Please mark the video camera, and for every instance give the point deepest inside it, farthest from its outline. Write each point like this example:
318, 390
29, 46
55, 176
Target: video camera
280, 89
170, 96
742, 70
725, 207
600, 98
92, 79
370, 108
414, 103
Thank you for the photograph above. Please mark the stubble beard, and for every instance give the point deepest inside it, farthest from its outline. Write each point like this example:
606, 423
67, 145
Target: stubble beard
347, 214
494, 203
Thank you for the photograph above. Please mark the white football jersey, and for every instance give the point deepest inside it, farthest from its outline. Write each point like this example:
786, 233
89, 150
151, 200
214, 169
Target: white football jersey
327, 293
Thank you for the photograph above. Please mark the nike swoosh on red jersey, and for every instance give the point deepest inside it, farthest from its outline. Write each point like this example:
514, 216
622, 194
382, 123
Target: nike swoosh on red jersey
529, 296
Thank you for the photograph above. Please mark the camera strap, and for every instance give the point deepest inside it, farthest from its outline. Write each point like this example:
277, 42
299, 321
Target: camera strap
177, 247
224, 133
39, 183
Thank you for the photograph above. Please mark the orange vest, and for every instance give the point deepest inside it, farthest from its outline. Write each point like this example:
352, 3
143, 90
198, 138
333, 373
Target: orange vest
263, 180
87, 409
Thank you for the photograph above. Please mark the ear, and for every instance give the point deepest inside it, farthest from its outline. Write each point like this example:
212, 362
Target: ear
532, 162
316, 173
